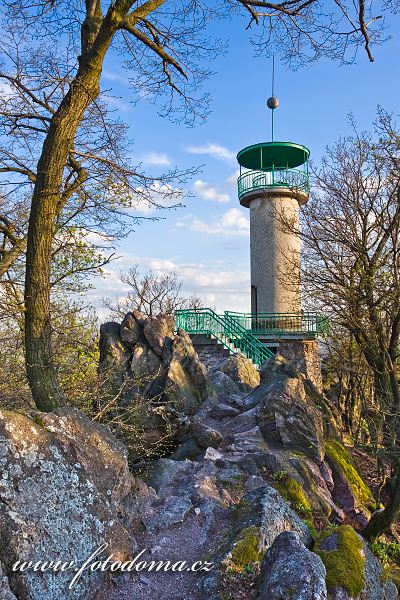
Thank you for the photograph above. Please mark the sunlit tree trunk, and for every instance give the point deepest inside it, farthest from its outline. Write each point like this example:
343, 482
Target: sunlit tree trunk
46, 202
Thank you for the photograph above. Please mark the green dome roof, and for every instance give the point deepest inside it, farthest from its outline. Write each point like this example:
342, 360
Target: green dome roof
268, 155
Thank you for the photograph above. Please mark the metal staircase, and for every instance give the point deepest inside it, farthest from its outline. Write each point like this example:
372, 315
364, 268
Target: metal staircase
226, 329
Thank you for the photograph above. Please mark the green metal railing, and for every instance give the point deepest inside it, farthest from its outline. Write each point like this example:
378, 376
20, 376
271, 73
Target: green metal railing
282, 323
289, 178
226, 329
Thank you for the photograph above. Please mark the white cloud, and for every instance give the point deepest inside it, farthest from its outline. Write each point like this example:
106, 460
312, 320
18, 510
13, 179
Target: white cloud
145, 202
159, 159
232, 179
231, 224
117, 103
6, 90
214, 150
114, 76
206, 191
221, 285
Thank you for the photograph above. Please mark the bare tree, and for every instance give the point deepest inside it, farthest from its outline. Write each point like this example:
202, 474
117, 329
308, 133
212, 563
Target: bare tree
151, 294
351, 239
59, 141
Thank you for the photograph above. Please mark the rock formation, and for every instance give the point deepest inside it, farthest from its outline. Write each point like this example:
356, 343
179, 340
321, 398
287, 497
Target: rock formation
258, 484
65, 490
156, 373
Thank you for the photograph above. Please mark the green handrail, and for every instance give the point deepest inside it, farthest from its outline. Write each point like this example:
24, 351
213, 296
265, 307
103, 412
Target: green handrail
282, 323
226, 329
295, 179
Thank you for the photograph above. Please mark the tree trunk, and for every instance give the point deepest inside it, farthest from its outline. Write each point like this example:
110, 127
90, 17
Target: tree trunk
46, 202
382, 520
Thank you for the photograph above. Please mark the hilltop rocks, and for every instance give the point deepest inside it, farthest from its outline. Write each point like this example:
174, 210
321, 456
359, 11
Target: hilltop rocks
65, 490
142, 349
287, 413
290, 570
241, 371
143, 359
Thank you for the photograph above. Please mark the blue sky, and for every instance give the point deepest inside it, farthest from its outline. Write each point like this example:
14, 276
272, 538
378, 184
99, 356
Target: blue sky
207, 241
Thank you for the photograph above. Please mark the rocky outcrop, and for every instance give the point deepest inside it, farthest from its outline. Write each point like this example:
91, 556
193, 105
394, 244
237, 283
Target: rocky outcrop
290, 570
240, 370
65, 490
156, 374
288, 413
249, 485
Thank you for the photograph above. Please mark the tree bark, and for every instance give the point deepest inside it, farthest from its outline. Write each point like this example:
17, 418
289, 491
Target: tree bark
382, 520
46, 201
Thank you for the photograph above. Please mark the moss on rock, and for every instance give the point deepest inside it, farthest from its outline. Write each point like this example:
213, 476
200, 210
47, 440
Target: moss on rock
342, 458
247, 550
345, 563
293, 492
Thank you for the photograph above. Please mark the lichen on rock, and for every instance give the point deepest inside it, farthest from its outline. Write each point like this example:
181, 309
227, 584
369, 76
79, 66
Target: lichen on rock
248, 549
53, 505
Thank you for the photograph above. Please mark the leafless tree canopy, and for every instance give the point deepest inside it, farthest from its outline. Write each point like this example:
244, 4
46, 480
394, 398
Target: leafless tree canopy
351, 261
151, 294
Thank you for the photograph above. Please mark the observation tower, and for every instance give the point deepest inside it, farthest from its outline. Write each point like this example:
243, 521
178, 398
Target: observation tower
273, 184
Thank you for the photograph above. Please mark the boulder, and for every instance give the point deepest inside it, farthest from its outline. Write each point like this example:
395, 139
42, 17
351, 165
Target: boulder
350, 491
65, 490
186, 385
223, 411
287, 414
259, 518
204, 436
241, 371
157, 330
290, 570
145, 365
165, 512
114, 358
353, 572
377, 586
156, 379
223, 384
131, 330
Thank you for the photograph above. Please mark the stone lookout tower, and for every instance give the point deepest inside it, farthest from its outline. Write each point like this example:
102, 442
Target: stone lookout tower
273, 184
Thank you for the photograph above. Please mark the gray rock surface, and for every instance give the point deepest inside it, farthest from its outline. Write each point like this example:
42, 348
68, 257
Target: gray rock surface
205, 436
290, 571
5, 592
376, 586
223, 384
241, 371
288, 414
56, 504
265, 508
144, 360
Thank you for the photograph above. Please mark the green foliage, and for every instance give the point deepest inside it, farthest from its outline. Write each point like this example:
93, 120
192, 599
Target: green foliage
345, 565
342, 458
386, 551
280, 475
76, 357
310, 526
